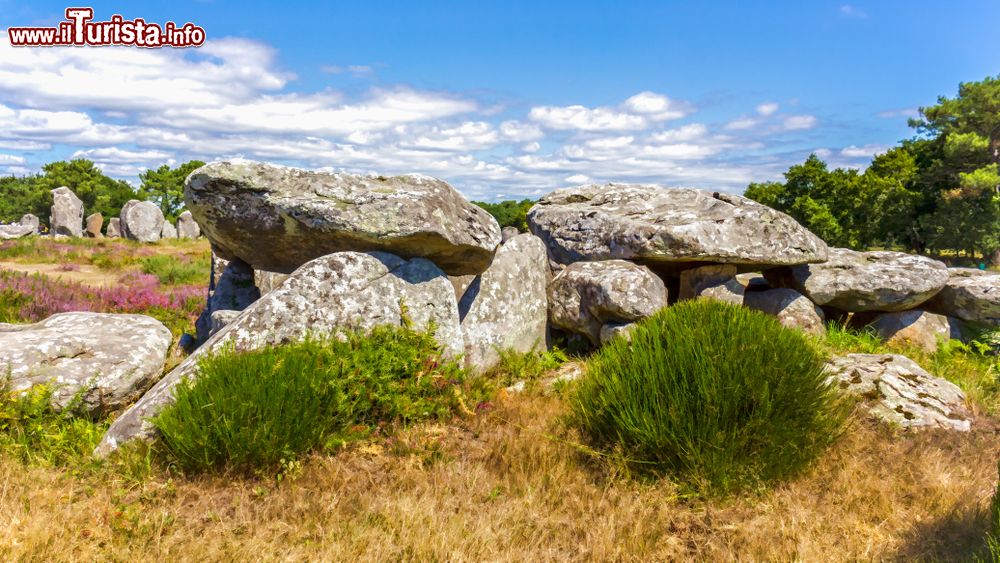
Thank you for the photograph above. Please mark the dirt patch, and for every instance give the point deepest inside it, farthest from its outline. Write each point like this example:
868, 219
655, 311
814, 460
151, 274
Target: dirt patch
87, 275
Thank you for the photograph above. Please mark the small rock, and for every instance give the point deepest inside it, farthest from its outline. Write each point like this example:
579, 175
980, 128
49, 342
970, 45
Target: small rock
169, 231
95, 222
715, 281
793, 309
919, 328
969, 294
613, 330
221, 318
114, 229
508, 233
187, 227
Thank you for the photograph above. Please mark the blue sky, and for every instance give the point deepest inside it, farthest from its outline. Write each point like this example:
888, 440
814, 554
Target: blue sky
507, 99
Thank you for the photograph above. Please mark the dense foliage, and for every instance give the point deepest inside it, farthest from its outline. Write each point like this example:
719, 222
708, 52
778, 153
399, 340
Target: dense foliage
509, 213
718, 396
165, 187
258, 409
937, 191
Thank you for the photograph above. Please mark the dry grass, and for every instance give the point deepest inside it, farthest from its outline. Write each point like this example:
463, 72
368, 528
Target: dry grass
497, 488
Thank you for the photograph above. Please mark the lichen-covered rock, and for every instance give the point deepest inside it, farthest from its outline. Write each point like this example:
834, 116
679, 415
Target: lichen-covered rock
614, 330
900, 392
66, 216
327, 296
793, 309
587, 295
220, 319
865, 281
169, 230
30, 220
114, 229
15, 230
508, 233
461, 284
506, 307
655, 225
141, 221
95, 221
970, 295
187, 227
234, 290
110, 360
918, 328
277, 218
267, 282
714, 281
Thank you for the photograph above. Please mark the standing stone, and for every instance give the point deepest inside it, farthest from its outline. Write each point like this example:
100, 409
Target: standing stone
715, 281
114, 227
67, 213
110, 360
187, 227
793, 309
141, 221
277, 218
30, 220
901, 392
506, 307
865, 281
169, 231
234, 291
666, 228
917, 328
508, 233
327, 296
587, 295
971, 295
94, 223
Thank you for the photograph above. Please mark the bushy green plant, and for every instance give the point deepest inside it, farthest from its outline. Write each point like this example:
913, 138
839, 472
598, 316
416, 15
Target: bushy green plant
530, 366
720, 397
173, 270
261, 409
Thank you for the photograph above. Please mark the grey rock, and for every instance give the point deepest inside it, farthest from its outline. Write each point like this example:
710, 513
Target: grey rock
187, 227
971, 295
461, 284
234, 291
277, 218
918, 328
114, 229
327, 296
506, 307
587, 295
67, 213
267, 282
660, 226
221, 318
714, 281
31, 220
793, 309
95, 222
508, 233
141, 221
900, 392
110, 360
169, 230
614, 330
15, 230
865, 281
753, 281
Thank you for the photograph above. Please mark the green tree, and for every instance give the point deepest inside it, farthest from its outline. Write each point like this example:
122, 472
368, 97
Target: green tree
20, 195
509, 213
165, 186
98, 192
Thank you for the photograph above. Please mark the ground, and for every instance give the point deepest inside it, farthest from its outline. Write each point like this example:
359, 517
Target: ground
513, 483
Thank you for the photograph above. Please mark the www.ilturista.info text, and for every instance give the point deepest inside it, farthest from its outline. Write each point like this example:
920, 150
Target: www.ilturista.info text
78, 29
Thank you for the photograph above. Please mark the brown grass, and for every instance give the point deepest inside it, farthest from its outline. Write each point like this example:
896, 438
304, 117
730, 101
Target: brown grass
509, 486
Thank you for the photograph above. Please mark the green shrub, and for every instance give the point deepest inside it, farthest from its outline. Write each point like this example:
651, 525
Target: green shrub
172, 270
260, 409
528, 366
719, 396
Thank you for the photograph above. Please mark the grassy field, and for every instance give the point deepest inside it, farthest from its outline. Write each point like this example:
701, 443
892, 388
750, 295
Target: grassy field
508, 480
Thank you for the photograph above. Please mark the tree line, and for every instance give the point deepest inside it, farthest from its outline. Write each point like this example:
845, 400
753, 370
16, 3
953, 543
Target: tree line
937, 191
99, 192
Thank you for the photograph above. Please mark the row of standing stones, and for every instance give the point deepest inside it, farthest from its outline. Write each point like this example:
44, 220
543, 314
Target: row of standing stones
298, 252
142, 221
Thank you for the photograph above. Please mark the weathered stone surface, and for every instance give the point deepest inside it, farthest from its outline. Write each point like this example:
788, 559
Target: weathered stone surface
461, 284
916, 327
714, 281
169, 230
613, 330
508, 233
95, 221
901, 392
110, 359
31, 220
971, 295
141, 221
277, 218
793, 309
267, 282
187, 227
66, 216
753, 281
587, 295
865, 281
114, 229
234, 291
506, 307
655, 225
329, 295
15, 230
222, 318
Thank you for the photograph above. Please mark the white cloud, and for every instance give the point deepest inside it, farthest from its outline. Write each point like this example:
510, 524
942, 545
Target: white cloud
866, 151
903, 112
688, 132
577, 179
518, 131
115, 155
356, 70
742, 123
586, 119
797, 122
9, 159
851, 11
767, 108
471, 135
823, 153
657, 106
531, 147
